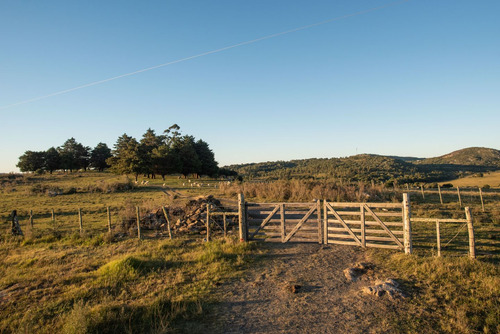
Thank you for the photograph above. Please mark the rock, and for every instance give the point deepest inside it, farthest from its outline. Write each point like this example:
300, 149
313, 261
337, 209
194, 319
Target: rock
389, 287
293, 288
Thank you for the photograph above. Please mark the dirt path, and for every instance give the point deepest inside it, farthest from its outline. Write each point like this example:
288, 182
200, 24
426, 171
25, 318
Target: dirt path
325, 300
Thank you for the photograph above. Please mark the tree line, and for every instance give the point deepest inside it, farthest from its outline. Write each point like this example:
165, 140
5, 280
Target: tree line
152, 155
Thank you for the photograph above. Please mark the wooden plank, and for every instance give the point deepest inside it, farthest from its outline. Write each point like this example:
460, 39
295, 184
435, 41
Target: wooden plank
358, 230
447, 220
374, 238
344, 224
266, 220
383, 226
337, 242
340, 236
371, 205
296, 228
291, 204
372, 245
224, 213
380, 214
367, 222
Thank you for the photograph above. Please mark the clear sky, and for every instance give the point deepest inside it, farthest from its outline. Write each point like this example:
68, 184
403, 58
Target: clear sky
417, 78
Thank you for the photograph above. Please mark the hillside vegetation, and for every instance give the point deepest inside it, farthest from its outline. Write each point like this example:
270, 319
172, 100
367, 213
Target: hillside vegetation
376, 168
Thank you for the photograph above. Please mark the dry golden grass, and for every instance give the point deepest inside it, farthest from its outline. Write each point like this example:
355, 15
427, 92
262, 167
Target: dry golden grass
491, 179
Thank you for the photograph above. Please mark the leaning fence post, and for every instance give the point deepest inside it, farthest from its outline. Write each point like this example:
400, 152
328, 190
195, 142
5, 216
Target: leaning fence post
481, 196
109, 219
208, 222
422, 190
440, 196
407, 224
168, 222
242, 217
31, 219
470, 227
138, 222
459, 198
80, 219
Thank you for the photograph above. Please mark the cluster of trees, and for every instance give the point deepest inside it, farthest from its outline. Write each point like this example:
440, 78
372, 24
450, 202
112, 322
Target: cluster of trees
71, 155
169, 153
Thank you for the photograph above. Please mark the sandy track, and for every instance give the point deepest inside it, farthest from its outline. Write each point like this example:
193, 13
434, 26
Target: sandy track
326, 302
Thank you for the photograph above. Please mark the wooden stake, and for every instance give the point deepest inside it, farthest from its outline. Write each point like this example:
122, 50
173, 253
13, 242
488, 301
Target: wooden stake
80, 219
139, 236
318, 215
282, 222
31, 219
53, 216
242, 218
470, 228
325, 223
362, 218
422, 189
459, 198
208, 222
109, 219
373, 184
407, 187
440, 196
224, 222
438, 236
168, 222
407, 224
481, 196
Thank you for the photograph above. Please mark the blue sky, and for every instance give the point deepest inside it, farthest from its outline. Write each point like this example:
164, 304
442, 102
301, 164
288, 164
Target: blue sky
417, 78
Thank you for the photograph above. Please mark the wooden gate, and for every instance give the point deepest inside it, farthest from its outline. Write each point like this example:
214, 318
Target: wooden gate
379, 225
284, 222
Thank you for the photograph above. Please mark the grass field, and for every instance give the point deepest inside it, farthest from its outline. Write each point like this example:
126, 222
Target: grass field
58, 280
491, 179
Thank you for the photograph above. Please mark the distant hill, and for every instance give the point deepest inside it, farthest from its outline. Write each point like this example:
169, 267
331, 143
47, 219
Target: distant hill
368, 167
472, 156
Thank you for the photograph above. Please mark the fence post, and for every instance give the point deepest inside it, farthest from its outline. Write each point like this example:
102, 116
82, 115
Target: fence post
242, 217
80, 219
440, 196
481, 196
224, 223
470, 227
363, 226
325, 223
138, 223
320, 227
282, 222
53, 216
208, 222
109, 219
438, 237
459, 198
407, 224
168, 222
422, 190
31, 219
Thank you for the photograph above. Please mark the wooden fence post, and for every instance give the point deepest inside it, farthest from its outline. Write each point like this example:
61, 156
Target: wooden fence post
53, 216
470, 227
242, 218
481, 196
224, 223
438, 237
168, 222
31, 219
138, 223
325, 223
320, 227
80, 219
363, 226
440, 196
407, 224
422, 190
282, 222
109, 219
208, 222
459, 198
